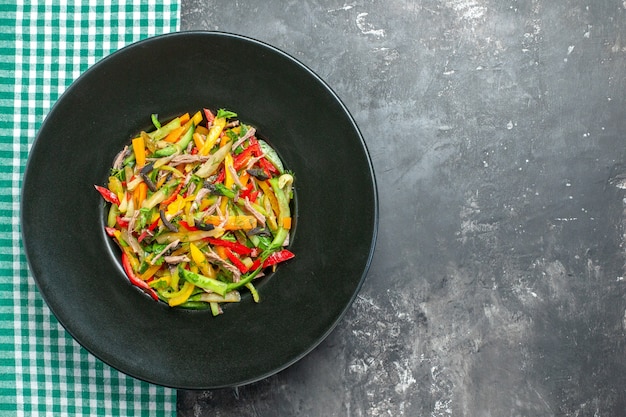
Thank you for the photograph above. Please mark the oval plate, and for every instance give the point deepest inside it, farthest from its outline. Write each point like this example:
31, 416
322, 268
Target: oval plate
77, 268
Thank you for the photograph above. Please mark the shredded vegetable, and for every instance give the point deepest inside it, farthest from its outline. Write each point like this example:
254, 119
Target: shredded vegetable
200, 208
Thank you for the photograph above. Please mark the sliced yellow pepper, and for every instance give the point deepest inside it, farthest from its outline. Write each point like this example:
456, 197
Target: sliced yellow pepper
162, 282
155, 216
228, 179
178, 204
139, 148
269, 193
202, 130
244, 177
118, 236
270, 217
214, 134
184, 118
182, 295
221, 252
198, 140
206, 202
197, 118
208, 270
196, 254
140, 193
149, 273
116, 186
223, 205
174, 135
132, 259
200, 260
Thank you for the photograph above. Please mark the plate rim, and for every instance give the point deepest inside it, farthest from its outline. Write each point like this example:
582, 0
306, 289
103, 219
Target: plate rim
328, 90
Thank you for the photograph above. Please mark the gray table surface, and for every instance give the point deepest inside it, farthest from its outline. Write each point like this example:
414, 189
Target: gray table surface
496, 129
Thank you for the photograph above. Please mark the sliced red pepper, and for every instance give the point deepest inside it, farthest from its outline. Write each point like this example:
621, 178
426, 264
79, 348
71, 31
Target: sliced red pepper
242, 163
255, 143
187, 226
234, 246
151, 228
255, 265
253, 195
243, 158
278, 257
269, 168
275, 258
134, 279
154, 224
235, 260
246, 191
108, 195
221, 176
172, 197
121, 221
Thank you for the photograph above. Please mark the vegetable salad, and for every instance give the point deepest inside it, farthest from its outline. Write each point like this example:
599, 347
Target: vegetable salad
200, 208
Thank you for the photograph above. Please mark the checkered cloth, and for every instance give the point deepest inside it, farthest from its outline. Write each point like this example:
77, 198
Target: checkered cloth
44, 46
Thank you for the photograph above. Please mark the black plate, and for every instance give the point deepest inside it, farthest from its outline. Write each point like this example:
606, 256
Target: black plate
77, 268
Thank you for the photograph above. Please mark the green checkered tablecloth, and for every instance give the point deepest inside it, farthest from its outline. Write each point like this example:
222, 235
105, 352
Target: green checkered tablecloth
44, 46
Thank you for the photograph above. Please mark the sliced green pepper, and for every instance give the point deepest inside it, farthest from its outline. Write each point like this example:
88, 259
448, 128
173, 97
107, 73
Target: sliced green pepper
206, 283
271, 155
179, 146
163, 131
283, 212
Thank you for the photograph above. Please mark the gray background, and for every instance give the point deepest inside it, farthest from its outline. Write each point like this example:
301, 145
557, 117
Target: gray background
496, 130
